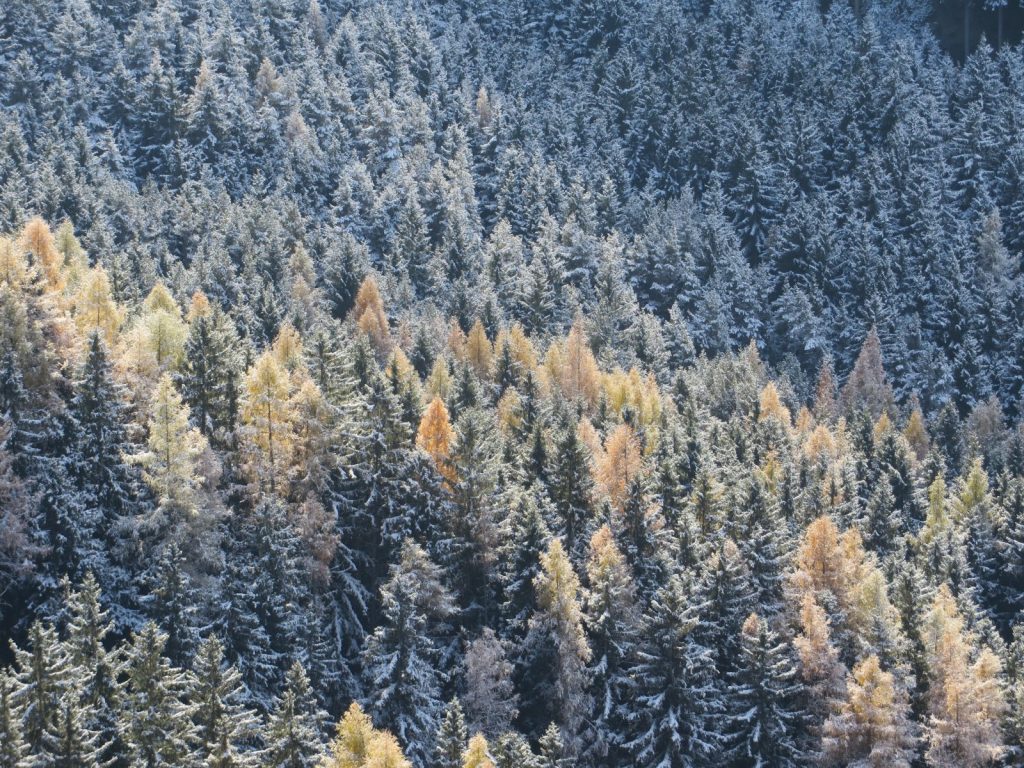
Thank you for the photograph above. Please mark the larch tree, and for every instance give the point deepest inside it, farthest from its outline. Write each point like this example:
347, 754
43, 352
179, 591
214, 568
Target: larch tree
867, 387
267, 423
478, 753
966, 703
435, 436
871, 728
619, 465
357, 744
171, 462
368, 315
95, 308
555, 650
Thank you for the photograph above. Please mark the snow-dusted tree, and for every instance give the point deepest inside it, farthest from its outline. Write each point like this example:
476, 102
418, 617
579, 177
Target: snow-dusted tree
872, 725
224, 727
677, 703
295, 727
401, 658
553, 671
965, 698
156, 721
490, 699
612, 620
452, 736
764, 719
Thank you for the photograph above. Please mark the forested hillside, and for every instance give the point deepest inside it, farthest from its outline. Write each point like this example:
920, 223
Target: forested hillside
524, 384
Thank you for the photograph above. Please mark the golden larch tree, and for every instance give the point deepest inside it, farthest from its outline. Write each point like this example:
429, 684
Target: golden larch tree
872, 726
267, 421
966, 703
620, 464
435, 437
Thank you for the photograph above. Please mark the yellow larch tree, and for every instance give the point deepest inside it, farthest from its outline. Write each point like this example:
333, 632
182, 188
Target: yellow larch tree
435, 437
477, 753
368, 314
872, 726
820, 668
267, 422
94, 306
155, 342
576, 371
479, 352
620, 464
770, 405
966, 703
174, 447
357, 744
38, 241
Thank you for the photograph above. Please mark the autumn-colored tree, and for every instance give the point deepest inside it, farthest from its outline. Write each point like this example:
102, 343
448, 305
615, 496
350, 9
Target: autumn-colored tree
574, 368
820, 668
557, 625
770, 405
435, 436
479, 352
477, 753
38, 241
267, 422
368, 314
871, 727
966, 703
174, 447
619, 464
95, 307
155, 342
357, 744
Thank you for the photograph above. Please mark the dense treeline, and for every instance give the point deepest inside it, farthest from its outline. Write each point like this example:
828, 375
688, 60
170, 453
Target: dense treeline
604, 384
210, 547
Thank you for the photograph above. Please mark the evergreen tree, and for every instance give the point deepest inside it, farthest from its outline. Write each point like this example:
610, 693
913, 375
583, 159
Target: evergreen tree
677, 702
293, 734
452, 737
156, 721
401, 658
764, 721
223, 726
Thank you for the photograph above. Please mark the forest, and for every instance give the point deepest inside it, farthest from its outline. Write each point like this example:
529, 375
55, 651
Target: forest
462, 384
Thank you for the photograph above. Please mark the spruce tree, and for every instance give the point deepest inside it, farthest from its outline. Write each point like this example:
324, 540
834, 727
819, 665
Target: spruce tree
764, 723
156, 720
295, 727
677, 703
224, 728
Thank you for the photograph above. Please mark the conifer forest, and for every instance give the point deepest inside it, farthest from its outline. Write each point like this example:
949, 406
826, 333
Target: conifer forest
523, 384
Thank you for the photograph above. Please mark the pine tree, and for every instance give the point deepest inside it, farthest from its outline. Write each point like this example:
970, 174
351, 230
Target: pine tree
612, 620
173, 604
293, 733
677, 702
211, 369
13, 748
571, 488
42, 681
98, 689
764, 723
